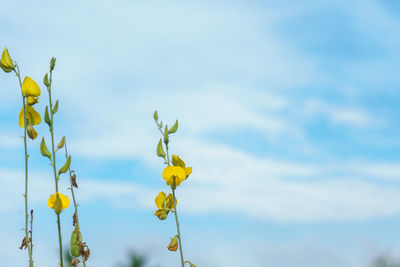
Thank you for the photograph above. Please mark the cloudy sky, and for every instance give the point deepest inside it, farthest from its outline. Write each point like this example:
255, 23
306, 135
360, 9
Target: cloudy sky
288, 114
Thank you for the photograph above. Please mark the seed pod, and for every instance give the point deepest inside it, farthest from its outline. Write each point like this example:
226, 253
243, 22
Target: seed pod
74, 245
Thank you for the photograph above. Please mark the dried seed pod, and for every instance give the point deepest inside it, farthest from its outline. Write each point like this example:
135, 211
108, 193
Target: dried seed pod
73, 179
24, 244
84, 250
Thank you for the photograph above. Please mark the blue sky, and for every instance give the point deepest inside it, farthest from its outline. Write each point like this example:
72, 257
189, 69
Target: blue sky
288, 114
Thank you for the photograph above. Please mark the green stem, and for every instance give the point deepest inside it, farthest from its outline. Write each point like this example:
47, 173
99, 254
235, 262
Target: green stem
54, 167
177, 228
27, 239
176, 213
73, 195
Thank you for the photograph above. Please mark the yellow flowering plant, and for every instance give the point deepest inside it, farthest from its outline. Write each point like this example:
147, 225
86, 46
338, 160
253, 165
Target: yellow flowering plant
57, 201
173, 175
27, 118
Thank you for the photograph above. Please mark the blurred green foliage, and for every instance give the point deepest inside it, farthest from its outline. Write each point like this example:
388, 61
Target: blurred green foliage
385, 261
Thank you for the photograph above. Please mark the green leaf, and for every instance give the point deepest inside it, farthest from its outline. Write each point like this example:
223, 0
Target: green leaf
173, 128
65, 168
47, 116
61, 144
44, 150
160, 150
55, 108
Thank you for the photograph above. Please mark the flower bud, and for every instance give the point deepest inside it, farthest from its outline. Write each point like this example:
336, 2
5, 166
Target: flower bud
46, 80
52, 63
166, 137
6, 62
173, 244
155, 116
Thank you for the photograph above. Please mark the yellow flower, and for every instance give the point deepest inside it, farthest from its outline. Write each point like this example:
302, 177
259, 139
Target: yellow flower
164, 204
174, 173
6, 62
30, 87
177, 161
58, 202
31, 114
163, 201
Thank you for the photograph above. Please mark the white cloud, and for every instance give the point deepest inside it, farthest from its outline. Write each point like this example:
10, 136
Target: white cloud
262, 188
347, 115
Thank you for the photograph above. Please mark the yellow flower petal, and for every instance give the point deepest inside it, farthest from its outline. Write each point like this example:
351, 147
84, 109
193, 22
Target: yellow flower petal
60, 199
172, 172
32, 115
64, 201
6, 61
30, 87
160, 200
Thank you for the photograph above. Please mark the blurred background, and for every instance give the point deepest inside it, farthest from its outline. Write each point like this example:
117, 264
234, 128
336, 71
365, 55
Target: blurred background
288, 113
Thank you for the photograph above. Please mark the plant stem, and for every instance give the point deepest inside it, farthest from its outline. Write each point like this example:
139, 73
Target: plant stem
177, 228
176, 214
53, 163
73, 196
27, 239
